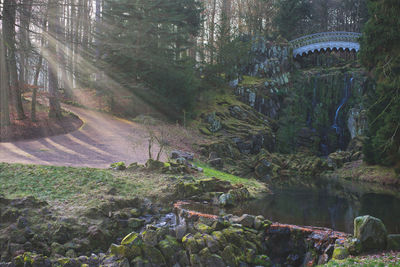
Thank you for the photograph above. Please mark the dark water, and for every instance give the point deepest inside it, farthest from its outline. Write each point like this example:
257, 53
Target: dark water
333, 206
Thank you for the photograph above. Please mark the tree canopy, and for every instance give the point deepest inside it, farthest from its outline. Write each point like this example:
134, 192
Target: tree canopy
380, 53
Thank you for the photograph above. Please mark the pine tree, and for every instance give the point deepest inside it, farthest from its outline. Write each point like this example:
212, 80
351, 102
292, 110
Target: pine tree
292, 17
146, 41
380, 53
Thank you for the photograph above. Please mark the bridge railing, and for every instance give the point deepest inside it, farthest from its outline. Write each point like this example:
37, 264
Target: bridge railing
325, 37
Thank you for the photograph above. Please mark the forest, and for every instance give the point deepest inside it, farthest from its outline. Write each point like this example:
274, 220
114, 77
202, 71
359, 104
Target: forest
199, 133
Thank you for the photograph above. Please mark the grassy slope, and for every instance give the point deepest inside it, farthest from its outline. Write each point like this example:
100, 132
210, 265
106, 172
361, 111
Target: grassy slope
75, 185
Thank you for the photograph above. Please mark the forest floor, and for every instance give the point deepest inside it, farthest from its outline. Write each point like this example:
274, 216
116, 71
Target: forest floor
42, 127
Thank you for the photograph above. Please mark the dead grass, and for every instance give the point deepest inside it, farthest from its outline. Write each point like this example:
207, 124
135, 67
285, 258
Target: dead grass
360, 171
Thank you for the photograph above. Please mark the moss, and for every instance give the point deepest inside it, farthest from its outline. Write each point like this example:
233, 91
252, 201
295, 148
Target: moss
220, 238
190, 243
340, 253
154, 165
118, 166
203, 228
169, 247
205, 131
230, 256
135, 212
132, 239
235, 236
153, 255
63, 261
251, 80
262, 260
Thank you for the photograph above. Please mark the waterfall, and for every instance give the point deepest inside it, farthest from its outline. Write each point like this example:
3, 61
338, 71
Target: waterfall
347, 86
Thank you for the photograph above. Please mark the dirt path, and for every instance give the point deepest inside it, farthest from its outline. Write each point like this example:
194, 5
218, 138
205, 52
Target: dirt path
103, 139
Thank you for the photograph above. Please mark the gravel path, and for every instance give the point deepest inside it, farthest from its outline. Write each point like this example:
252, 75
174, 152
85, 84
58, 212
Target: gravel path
102, 139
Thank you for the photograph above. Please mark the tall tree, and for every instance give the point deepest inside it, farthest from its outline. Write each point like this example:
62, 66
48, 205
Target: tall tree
212, 31
25, 11
53, 24
143, 42
293, 17
5, 114
380, 53
9, 13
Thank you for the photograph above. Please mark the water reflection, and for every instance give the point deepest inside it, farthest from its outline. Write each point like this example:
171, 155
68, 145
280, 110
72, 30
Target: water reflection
332, 206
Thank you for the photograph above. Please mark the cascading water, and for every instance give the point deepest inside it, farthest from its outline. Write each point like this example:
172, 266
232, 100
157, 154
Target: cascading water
346, 92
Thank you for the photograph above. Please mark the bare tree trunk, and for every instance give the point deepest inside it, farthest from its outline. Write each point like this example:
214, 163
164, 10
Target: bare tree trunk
54, 104
97, 33
212, 31
25, 15
77, 39
5, 113
37, 72
71, 44
9, 13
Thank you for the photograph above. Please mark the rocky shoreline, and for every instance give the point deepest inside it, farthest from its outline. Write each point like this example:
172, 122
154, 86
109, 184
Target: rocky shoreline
137, 232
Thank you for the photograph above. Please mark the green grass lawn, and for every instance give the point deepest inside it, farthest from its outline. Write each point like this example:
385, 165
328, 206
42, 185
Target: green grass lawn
210, 172
50, 182
77, 185
385, 259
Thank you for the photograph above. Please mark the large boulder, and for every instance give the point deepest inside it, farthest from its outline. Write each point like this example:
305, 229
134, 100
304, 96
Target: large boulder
371, 232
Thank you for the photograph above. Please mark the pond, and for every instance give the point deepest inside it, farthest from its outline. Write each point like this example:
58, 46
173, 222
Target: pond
332, 204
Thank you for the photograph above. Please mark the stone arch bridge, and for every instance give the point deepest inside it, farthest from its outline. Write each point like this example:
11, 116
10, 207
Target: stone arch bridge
325, 41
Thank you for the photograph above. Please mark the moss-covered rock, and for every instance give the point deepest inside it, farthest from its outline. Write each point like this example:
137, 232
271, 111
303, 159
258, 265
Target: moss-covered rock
153, 255
119, 166
214, 185
154, 165
128, 252
393, 242
187, 189
132, 239
220, 238
190, 244
235, 235
150, 237
371, 232
195, 260
340, 253
203, 228
135, 223
229, 255
169, 247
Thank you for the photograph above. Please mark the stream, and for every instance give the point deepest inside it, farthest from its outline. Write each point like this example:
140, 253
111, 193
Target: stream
332, 204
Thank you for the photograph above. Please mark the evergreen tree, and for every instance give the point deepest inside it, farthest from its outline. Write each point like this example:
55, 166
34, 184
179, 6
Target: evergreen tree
145, 41
293, 17
380, 53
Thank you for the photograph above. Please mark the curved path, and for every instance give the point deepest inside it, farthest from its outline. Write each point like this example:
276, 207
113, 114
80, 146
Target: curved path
102, 140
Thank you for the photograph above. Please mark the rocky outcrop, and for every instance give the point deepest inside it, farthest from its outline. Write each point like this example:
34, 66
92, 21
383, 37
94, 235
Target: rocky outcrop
357, 122
29, 224
213, 190
274, 166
